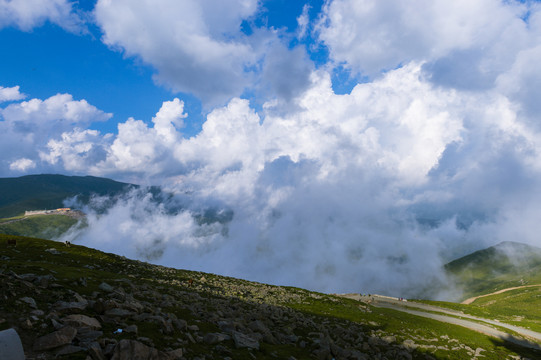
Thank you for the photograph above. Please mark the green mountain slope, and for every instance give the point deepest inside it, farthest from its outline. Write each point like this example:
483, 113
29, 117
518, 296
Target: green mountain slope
505, 265
107, 306
36, 192
502, 283
42, 226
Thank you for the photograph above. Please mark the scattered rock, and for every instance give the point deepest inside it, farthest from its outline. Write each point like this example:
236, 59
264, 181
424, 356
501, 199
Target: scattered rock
69, 349
478, 352
95, 352
244, 341
55, 339
78, 320
175, 354
106, 287
131, 329
29, 301
27, 324
85, 334
118, 313
180, 324
409, 344
134, 350
37, 312
389, 339
70, 307
215, 338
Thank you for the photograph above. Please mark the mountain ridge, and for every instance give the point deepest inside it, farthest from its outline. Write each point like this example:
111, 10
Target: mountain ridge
48, 191
504, 265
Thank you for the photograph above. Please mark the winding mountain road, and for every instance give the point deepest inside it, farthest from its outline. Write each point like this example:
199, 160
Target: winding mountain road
406, 306
472, 299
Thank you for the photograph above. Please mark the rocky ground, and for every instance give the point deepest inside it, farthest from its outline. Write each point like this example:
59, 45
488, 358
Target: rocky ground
62, 306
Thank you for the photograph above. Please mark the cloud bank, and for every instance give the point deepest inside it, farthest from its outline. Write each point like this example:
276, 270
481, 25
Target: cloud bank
369, 191
436, 153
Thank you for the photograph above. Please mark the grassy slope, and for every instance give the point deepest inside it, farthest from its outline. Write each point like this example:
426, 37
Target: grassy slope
77, 262
518, 307
489, 270
36, 192
42, 226
492, 269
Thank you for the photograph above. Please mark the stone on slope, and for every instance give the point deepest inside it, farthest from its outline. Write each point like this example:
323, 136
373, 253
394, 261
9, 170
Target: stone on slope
29, 301
244, 341
106, 287
55, 339
117, 312
134, 350
85, 334
70, 307
78, 320
214, 338
175, 354
69, 349
95, 351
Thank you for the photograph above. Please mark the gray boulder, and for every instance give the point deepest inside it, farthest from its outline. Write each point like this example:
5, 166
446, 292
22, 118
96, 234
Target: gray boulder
29, 301
244, 341
106, 287
78, 320
134, 350
70, 307
55, 339
215, 338
95, 351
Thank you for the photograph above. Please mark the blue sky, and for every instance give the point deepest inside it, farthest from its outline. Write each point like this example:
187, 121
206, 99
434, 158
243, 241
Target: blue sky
342, 134
47, 60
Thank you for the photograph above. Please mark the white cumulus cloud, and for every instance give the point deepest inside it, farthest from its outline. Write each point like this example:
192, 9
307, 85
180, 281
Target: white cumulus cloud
198, 47
22, 165
466, 44
28, 126
28, 14
10, 94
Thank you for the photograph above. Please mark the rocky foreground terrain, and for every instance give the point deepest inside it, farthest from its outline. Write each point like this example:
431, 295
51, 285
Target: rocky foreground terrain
77, 303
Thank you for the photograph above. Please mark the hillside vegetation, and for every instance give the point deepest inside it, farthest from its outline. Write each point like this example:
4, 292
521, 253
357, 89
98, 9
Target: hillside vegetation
41, 226
37, 192
485, 277
505, 265
74, 302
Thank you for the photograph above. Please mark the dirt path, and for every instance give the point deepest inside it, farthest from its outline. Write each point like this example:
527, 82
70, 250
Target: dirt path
472, 299
405, 306
12, 221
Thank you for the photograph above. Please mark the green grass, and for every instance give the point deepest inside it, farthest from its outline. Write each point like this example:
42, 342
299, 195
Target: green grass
42, 226
11, 218
505, 265
518, 307
77, 262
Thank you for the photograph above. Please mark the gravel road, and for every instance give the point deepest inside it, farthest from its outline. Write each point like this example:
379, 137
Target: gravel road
405, 306
472, 299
